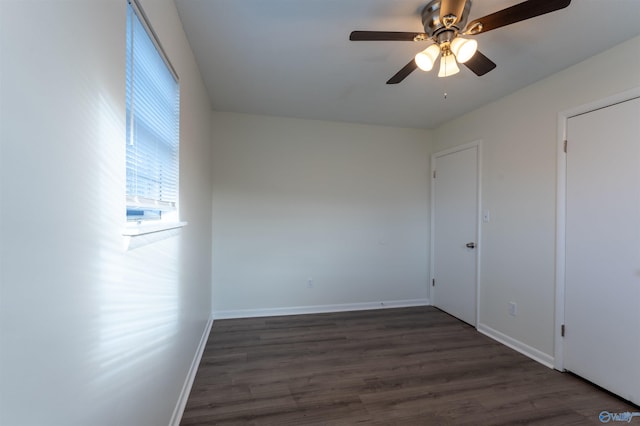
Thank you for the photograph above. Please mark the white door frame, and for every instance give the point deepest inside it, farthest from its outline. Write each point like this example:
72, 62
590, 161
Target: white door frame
561, 211
478, 145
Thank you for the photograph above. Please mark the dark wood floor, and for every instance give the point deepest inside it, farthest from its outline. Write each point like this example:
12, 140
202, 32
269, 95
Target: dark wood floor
411, 366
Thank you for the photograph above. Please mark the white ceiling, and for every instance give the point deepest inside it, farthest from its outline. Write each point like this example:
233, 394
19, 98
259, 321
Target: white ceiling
294, 58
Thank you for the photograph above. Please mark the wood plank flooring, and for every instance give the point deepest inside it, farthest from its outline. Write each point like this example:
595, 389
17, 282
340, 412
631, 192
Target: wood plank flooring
410, 366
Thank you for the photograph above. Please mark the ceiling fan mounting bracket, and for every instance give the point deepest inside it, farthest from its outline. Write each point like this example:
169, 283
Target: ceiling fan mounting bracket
449, 20
475, 28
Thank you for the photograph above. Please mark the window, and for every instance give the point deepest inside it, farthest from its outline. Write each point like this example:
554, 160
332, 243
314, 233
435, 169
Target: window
153, 110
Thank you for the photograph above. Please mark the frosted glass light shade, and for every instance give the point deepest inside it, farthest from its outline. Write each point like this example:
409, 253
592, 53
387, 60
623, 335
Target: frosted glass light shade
427, 57
448, 66
464, 49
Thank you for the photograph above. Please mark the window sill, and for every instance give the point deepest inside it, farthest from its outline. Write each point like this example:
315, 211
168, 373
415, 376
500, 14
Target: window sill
140, 235
135, 229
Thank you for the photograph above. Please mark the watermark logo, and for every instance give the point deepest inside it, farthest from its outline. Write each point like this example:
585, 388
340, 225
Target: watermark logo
627, 416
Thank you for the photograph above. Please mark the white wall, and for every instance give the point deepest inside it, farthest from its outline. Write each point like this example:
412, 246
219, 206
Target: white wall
92, 334
519, 188
343, 204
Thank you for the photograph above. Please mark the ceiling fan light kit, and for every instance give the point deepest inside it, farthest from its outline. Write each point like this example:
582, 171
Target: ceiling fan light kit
463, 48
443, 21
448, 65
427, 58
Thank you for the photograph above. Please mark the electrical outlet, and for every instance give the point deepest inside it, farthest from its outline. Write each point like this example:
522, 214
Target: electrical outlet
513, 309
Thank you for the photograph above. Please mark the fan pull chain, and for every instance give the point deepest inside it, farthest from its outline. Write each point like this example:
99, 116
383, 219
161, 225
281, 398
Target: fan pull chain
444, 87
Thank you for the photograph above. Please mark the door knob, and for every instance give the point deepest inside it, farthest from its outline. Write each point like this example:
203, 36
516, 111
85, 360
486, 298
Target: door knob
471, 245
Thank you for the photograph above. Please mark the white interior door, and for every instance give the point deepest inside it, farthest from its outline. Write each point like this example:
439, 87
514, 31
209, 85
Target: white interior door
602, 281
455, 231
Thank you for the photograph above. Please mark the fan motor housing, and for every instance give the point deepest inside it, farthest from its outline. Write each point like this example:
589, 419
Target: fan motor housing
433, 25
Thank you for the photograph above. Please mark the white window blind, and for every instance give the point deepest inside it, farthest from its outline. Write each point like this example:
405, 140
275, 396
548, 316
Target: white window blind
153, 110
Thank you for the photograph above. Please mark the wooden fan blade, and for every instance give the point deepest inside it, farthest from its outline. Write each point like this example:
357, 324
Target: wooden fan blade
511, 15
383, 36
403, 73
452, 7
480, 64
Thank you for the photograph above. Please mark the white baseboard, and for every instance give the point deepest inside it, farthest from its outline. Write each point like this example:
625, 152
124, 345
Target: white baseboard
536, 355
317, 309
188, 383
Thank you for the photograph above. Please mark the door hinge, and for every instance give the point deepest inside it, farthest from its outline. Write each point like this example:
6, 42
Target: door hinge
562, 330
433, 282
565, 146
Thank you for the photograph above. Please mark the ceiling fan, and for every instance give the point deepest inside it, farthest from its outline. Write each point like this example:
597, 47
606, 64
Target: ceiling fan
444, 21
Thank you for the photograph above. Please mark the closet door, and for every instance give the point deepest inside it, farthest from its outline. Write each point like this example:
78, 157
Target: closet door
455, 231
602, 281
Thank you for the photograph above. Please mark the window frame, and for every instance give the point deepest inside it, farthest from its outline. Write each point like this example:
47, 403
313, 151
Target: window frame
147, 215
